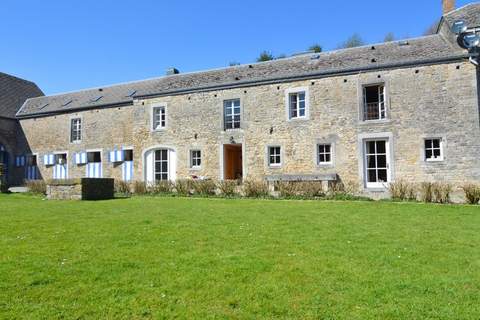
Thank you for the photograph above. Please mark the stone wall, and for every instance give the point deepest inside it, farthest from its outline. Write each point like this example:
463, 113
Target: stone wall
12, 138
80, 189
435, 100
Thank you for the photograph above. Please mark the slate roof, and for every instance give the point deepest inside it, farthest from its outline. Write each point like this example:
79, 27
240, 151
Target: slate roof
469, 13
422, 50
13, 93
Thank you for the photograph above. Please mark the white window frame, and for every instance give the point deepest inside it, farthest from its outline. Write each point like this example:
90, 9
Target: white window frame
79, 128
161, 172
297, 91
382, 104
55, 153
233, 114
274, 165
331, 153
193, 158
377, 185
161, 125
441, 157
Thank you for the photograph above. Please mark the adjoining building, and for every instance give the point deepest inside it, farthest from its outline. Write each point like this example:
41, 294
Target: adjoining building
13, 93
404, 109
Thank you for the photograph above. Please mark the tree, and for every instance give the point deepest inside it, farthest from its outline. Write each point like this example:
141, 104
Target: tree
389, 37
265, 56
432, 29
315, 48
354, 41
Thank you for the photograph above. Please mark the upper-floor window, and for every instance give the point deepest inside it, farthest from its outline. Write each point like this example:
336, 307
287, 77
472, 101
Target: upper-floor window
433, 149
324, 154
274, 156
159, 120
195, 159
231, 112
76, 130
374, 103
297, 105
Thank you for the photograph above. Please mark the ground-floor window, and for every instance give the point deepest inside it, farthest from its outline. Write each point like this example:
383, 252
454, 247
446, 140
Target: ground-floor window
433, 149
377, 160
31, 172
324, 154
195, 159
94, 164
274, 156
60, 167
161, 165
127, 165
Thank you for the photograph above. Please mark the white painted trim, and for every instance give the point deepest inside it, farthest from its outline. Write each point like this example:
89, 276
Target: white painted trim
287, 103
362, 138
267, 156
152, 108
443, 142
333, 153
72, 117
157, 147
223, 115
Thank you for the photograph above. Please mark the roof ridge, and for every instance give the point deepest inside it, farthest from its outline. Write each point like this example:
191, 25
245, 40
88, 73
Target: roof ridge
16, 78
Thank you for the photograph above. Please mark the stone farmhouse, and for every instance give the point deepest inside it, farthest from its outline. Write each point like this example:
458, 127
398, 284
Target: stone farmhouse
405, 109
13, 93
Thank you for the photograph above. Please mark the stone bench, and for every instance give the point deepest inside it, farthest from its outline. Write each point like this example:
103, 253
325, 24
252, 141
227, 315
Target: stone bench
325, 179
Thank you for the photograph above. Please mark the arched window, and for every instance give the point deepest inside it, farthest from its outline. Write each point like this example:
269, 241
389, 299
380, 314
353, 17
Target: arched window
160, 165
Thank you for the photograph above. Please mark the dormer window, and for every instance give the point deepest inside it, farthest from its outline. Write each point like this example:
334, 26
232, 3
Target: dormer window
374, 103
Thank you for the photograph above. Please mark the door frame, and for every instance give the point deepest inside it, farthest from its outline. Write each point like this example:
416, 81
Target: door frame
362, 166
222, 159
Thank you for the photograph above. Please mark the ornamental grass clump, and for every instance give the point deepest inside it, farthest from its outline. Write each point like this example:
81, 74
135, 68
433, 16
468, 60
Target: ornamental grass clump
426, 192
162, 187
183, 187
122, 187
441, 192
227, 187
36, 186
403, 191
472, 193
255, 189
140, 188
204, 187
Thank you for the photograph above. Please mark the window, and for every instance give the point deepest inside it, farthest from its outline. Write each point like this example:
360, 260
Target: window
31, 160
231, 111
377, 161
94, 157
60, 167
61, 158
274, 156
127, 155
161, 165
433, 149
195, 159
324, 154
76, 130
297, 105
159, 118
374, 103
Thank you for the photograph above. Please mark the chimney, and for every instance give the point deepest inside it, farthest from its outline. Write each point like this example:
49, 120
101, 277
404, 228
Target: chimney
448, 6
172, 71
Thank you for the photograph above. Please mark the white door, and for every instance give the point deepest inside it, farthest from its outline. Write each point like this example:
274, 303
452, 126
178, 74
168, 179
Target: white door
160, 165
377, 163
60, 169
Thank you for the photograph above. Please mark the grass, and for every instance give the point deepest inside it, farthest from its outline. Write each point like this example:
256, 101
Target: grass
164, 258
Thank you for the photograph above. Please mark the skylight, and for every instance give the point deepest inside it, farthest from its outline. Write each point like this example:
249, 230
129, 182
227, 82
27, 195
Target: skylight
96, 99
67, 103
131, 93
44, 106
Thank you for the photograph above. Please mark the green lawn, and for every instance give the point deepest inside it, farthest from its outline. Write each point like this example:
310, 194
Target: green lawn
166, 258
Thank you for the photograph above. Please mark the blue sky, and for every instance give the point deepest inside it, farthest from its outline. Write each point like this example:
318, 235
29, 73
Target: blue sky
70, 45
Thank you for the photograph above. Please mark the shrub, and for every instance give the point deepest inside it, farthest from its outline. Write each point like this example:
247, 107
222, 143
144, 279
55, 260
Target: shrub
441, 192
139, 187
349, 187
472, 193
426, 191
36, 186
122, 187
286, 189
255, 188
161, 187
3, 186
402, 190
227, 187
310, 189
183, 186
204, 187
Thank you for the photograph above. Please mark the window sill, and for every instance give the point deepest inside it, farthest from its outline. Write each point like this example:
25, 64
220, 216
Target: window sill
298, 119
195, 168
159, 129
325, 165
233, 130
433, 161
367, 122
272, 166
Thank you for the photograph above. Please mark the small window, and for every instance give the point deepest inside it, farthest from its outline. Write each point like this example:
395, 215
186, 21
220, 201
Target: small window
76, 130
61, 158
195, 158
274, 156
297, 105
159, 118
374, 103
324, 152
127, 155
232, 112
434, 149
31, 160
94, 157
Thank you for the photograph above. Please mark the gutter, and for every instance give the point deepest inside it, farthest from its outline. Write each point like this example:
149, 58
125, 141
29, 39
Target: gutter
251, 83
